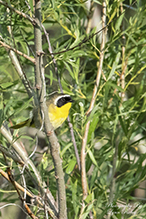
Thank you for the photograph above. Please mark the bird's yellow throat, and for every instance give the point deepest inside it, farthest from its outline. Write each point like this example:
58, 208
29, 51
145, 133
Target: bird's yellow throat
58, 115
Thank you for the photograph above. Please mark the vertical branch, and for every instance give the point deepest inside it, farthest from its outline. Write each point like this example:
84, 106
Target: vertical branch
39, 69
124, 63
41, 91
99, 72
74, 142
84, 141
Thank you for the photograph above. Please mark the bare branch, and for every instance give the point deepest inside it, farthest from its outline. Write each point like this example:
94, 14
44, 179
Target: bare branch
20, 151
13, 156
54, 61
74, 143
17, 51
20, 73
124, 61
5, 175
83, 162
30, 212
99, 72
11, 179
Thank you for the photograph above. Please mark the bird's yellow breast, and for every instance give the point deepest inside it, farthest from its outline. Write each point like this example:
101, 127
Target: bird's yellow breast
58, 115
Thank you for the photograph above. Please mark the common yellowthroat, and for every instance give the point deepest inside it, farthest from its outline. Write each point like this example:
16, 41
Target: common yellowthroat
58, 110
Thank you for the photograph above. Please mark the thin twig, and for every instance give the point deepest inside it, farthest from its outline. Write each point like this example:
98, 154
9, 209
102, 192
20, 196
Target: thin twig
99, 72
30, 48
20, 151
20, 72
17, 51
74, 143
5, 175
13, 156
51, 53
30, 212
26, 2
11, 179
12, 204
124, 62
86, 39
84, 141
83, 162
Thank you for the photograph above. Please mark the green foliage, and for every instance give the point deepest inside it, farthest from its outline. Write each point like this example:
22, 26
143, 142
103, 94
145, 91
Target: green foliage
117, 119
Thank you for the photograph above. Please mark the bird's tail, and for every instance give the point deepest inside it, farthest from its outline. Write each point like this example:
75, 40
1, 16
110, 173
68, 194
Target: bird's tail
22, 124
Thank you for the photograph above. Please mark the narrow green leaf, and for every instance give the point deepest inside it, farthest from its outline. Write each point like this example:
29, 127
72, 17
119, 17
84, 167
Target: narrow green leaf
8, 84
26, 105
71, 166
119, 88
1, 117
92, 156
119, 21
93, 125
114, 65
65, 148
122, 122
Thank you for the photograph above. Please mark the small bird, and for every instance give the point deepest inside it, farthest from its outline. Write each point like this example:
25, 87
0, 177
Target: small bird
58, 110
